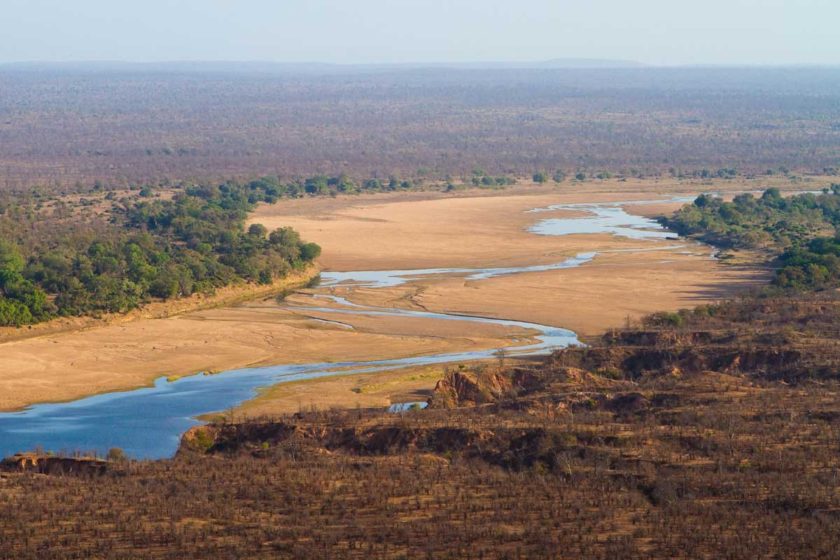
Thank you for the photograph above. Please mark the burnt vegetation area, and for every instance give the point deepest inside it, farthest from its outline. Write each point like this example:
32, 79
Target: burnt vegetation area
712, 438
123, 126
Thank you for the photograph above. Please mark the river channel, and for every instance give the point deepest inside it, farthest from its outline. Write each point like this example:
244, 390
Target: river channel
148, 423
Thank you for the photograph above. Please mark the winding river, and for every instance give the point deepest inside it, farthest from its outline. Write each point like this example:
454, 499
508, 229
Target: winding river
148, 423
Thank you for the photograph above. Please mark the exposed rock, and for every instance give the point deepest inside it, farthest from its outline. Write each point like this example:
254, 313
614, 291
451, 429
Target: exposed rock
470, 388
53, 465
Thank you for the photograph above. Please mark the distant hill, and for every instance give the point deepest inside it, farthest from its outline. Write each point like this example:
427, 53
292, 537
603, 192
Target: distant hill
592, 63
557, 63
262, 67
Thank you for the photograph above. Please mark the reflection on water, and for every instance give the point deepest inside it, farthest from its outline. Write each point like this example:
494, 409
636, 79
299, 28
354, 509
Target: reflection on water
148, 422
408, 406
604, 218
391, 278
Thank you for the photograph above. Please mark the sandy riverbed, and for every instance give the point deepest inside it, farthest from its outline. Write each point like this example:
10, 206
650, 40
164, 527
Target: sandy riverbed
628, 279
396, 231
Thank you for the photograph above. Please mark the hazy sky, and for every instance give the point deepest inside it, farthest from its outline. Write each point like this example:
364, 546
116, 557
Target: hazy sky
363, 31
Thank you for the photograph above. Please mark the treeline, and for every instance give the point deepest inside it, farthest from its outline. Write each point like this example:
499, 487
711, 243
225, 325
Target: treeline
193, 243
814, 266
274, 188
800, 231
131, 128
319, 185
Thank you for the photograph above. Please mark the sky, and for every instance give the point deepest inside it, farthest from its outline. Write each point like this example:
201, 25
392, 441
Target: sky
662, 32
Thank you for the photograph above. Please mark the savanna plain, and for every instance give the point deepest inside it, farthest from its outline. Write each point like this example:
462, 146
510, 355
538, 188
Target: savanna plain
441, 314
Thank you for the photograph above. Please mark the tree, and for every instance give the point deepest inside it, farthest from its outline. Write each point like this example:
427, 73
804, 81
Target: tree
257, 230
310, 251
116, 455
284, 236
14, 313
702, 201
11, 263
166, 286
540, 177
501, 356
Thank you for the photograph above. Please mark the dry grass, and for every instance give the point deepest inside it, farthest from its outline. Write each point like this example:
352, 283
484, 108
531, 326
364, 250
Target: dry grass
551, 462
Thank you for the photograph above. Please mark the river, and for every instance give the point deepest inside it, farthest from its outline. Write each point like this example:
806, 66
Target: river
148, 423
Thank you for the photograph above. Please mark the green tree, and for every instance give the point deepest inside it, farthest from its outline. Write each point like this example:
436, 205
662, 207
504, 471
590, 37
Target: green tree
257, 230
310, 251
14, 313
11, 263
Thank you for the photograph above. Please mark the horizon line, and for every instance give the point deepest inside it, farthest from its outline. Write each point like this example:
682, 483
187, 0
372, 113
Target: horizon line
573, 62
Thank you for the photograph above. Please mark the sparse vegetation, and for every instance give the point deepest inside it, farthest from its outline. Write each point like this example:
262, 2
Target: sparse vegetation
555, 459
117, 129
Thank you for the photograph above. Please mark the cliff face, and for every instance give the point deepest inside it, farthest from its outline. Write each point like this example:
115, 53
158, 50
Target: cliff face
470, 387
47, 464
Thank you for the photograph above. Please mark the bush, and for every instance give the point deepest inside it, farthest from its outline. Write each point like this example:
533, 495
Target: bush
116, 455
310, 251
14, 313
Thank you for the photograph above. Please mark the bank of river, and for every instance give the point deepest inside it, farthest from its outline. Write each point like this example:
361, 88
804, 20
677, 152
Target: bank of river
148, 422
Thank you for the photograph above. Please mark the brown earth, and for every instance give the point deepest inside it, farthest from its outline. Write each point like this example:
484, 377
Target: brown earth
365, 390
717, 435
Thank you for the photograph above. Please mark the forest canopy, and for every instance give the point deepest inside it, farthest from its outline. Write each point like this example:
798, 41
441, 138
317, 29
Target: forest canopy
800, 231
194, 242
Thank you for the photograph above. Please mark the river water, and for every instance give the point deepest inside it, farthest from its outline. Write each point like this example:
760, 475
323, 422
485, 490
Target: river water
148, 423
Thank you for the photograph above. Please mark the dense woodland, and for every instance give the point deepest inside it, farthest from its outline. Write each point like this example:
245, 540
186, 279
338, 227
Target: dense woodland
110, 250
63, 126
56, 262
801, 231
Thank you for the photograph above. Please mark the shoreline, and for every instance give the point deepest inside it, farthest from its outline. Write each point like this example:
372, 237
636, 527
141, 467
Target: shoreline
233, 330
226, 296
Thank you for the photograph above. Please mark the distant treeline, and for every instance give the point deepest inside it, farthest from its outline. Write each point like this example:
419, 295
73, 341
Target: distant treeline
60, 127
55, 265
800, 230
274, 188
